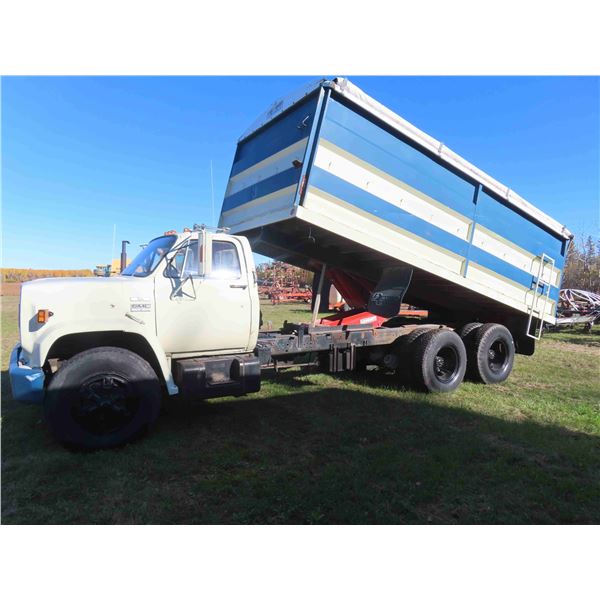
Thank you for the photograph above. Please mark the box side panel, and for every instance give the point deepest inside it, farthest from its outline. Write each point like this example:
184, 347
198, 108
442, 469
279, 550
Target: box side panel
267, 168
437, 220
512, 245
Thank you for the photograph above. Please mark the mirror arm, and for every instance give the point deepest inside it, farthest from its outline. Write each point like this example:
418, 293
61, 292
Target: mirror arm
178, 288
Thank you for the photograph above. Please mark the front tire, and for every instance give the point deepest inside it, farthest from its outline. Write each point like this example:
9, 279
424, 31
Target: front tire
102, 398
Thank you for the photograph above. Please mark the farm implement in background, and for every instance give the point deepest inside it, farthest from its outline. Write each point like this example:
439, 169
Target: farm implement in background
280, 282
578, 307
278, 295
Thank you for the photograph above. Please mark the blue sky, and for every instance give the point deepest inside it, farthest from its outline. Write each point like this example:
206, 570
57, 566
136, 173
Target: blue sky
82, 154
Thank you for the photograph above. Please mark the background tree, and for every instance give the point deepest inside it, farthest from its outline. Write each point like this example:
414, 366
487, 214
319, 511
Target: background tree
21, 275
582, 267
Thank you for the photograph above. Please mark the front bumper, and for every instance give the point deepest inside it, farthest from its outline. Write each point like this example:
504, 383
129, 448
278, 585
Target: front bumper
27, 383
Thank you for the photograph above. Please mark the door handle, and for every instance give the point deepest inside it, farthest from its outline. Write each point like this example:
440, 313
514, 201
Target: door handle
242, 286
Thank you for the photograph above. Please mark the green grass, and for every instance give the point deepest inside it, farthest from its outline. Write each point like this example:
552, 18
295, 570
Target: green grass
275, 315
312, 448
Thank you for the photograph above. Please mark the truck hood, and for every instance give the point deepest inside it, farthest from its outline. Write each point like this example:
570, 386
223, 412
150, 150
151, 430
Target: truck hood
58, 293
59, 283
85, 304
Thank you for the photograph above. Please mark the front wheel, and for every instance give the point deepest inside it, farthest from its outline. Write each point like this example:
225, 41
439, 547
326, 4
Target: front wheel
101, 398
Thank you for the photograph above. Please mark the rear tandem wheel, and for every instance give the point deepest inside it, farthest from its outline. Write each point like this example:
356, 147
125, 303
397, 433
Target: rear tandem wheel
438, 361
404, 348
491, 354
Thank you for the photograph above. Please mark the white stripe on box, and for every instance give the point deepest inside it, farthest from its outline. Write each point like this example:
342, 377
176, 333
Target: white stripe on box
276, 163
386, 187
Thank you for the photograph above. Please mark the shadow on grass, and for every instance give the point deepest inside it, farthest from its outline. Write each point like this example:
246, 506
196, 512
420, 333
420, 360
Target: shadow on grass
374, 378
306, 455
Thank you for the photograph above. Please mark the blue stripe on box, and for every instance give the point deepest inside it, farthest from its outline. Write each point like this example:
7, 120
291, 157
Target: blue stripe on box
369, 142
362, 138
505, 222
353, 195
497, 265
262, 188
278, 134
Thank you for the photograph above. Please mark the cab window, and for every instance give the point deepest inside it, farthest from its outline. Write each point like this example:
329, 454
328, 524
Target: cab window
184, 263
147, 260
190, 266
225, 261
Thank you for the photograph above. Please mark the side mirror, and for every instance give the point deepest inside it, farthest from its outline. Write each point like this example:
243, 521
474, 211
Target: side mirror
185, 262
171, 270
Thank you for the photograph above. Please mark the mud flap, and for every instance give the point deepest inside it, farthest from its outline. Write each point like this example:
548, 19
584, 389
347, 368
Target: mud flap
386, 298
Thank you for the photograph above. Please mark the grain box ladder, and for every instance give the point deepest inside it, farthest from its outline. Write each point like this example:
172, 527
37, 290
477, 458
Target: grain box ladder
541, 292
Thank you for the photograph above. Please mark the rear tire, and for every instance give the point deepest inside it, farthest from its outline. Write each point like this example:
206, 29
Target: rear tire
466, 331
405, 350
102, 398
439, 361
492, 354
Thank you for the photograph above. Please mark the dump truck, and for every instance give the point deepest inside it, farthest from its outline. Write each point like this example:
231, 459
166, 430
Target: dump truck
328, 180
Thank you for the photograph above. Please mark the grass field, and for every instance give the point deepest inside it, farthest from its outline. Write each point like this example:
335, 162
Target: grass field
311, 448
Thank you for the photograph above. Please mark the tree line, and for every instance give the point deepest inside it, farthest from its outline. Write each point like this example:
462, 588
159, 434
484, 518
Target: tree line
21, 275
582, 267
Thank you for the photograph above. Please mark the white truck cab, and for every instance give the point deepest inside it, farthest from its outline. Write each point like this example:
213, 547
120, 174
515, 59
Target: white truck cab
184, 296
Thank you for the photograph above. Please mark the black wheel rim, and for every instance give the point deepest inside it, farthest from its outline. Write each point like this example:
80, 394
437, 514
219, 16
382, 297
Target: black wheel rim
105, 404
497, 356
446, 364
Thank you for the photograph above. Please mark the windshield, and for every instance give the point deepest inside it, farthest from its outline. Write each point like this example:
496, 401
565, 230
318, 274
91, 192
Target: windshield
147, 260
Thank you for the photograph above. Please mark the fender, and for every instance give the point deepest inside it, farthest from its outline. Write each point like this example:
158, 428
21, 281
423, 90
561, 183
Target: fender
46, 339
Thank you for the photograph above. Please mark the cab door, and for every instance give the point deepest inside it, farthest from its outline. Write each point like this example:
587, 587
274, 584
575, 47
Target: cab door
204, 308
